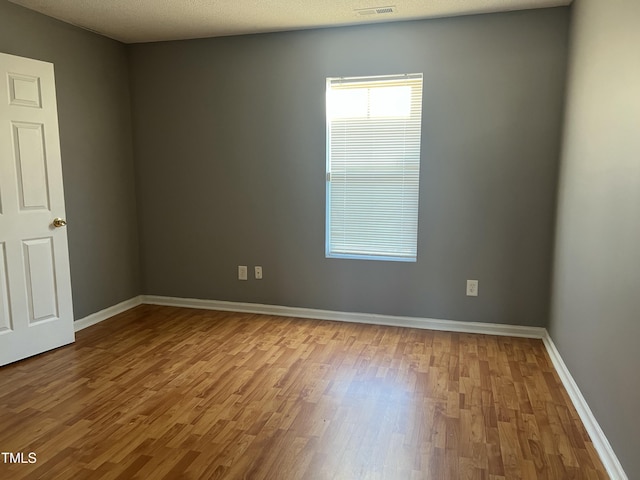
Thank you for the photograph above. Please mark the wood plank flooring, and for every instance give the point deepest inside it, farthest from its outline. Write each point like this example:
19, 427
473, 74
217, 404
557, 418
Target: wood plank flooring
162, 393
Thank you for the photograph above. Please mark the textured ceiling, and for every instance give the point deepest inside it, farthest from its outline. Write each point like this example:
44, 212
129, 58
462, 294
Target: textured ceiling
133, 21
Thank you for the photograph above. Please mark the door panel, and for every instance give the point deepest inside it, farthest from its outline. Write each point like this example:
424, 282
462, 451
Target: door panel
5, 312
36, 311
24, 90
32, 170
41, 283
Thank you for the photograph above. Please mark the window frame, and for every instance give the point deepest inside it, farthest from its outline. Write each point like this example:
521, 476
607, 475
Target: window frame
328, 166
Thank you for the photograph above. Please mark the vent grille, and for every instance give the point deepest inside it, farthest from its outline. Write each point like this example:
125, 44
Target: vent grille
365, 12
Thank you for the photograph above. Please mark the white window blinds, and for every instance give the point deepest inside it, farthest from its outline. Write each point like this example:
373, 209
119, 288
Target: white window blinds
373, 166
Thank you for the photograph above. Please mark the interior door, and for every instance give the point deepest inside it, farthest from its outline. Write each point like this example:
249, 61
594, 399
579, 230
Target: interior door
36, 312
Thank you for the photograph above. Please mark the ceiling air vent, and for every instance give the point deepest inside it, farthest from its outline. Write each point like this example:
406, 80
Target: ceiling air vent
365, 12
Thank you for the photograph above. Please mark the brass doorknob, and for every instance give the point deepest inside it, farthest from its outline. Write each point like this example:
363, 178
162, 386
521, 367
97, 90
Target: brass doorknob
59, 222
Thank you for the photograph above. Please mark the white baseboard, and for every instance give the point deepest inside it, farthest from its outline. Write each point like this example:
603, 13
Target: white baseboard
600, 442
106, 313
371, 318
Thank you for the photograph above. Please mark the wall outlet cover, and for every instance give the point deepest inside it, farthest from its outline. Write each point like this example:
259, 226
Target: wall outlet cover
472, 288
242, 272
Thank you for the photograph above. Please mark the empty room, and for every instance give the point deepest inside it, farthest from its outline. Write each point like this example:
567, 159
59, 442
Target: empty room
319, 240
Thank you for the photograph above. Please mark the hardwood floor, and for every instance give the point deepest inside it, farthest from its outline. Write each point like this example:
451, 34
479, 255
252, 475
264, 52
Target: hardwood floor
162, 392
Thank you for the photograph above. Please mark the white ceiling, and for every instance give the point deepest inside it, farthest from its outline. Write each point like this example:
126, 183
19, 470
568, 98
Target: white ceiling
134, 21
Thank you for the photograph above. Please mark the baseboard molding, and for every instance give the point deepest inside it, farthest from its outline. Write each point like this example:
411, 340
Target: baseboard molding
370, 318
600, 442
106, 313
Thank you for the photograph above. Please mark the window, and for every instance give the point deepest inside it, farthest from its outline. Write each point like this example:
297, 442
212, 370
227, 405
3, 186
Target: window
373, 166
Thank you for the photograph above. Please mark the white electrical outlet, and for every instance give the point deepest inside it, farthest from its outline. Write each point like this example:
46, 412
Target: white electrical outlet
258, 272
472, 288
242, 272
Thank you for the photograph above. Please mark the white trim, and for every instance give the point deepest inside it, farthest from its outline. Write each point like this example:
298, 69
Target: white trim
106, 313
600, 442
371, 318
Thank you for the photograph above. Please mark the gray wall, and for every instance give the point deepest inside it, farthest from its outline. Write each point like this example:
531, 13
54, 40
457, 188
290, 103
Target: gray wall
595, 320
95, 134
230, 158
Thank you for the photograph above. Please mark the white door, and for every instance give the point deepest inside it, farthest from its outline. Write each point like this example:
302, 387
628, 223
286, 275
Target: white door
36, 312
